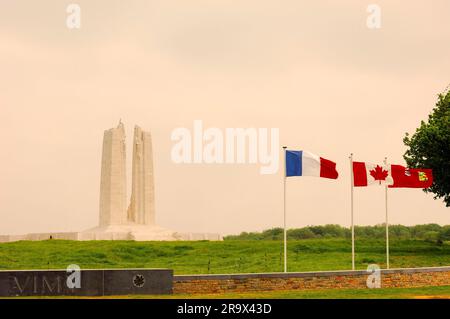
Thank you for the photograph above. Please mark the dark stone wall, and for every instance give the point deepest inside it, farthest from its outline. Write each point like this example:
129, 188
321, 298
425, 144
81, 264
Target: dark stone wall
101, 282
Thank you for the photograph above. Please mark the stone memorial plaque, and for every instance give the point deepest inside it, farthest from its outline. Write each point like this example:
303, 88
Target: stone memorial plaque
92, 282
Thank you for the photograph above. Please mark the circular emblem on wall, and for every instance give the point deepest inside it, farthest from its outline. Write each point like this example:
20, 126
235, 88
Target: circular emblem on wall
139, 281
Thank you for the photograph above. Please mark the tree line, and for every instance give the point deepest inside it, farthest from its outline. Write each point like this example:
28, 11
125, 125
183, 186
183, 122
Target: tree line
428, 232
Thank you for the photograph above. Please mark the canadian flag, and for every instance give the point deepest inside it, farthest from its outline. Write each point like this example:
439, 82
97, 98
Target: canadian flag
365, 174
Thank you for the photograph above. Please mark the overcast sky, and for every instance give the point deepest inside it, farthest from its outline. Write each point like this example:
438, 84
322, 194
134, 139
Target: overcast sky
312, 69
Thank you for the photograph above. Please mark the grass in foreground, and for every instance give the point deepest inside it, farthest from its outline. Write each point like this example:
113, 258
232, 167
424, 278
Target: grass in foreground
441, 292
233, 256
387, 293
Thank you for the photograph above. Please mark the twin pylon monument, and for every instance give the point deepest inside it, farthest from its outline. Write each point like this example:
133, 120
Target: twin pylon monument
135, 221
113, 181
118, 218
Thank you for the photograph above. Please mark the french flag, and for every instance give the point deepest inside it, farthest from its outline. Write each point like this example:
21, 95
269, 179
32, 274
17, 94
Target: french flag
304, 163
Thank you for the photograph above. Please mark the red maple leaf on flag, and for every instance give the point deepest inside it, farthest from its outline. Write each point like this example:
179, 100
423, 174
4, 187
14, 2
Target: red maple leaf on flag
379, 173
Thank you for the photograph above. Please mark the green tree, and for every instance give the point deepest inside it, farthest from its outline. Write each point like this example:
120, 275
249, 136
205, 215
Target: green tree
431, 236
445, 233
300, 233
429, 147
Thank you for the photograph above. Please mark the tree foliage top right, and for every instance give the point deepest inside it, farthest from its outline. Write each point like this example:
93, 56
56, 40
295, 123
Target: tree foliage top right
429, 147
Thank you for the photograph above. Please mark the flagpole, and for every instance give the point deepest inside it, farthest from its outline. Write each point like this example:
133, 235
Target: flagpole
387, 220
284, 211
351, 210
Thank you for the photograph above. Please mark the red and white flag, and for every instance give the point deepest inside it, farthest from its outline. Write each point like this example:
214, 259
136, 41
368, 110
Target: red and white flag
365, 174
411, 177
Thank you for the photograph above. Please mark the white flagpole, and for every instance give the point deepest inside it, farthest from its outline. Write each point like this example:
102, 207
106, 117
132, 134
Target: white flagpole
387, 220
351, 210
284, 211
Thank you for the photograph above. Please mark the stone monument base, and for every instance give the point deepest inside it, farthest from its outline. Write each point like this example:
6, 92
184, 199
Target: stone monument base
130, 231
139, 232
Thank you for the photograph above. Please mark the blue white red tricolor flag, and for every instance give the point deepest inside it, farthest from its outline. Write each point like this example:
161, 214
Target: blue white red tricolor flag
304, 163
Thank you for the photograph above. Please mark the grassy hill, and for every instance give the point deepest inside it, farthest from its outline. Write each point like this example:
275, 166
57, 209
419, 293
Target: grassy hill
229, 256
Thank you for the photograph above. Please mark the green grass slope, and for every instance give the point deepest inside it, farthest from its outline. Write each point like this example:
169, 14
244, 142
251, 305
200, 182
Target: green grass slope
230, 256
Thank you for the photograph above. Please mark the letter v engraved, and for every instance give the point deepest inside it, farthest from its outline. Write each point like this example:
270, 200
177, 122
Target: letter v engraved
21, 289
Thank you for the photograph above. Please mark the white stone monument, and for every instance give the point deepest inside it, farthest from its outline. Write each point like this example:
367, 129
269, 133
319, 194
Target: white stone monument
116, 221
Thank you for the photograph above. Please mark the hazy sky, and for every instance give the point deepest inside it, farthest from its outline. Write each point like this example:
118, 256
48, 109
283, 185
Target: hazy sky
312, 69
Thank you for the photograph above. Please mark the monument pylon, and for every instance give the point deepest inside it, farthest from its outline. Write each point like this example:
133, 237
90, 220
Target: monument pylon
113, 181
142, 203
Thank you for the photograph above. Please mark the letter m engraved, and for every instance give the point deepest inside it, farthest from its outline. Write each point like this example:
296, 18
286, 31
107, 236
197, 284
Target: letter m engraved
46, 286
